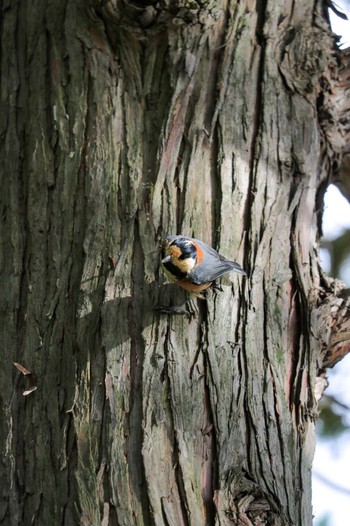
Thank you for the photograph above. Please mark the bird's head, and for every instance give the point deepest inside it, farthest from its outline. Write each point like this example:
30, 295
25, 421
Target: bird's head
179, 252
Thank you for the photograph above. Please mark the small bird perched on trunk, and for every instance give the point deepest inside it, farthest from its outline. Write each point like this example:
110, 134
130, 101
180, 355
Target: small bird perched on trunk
193, 265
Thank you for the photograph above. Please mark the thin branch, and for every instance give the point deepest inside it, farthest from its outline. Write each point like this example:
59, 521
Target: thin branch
331, 484
335, 400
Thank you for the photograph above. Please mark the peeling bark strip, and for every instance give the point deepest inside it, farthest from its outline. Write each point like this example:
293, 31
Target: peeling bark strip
122, 122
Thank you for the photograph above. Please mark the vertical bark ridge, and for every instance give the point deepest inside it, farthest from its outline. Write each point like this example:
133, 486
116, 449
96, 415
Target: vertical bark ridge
209, 426
176, 454
137, 351
256, 123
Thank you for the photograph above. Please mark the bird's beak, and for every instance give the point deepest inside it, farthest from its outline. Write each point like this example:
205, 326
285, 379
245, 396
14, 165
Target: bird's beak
166, 259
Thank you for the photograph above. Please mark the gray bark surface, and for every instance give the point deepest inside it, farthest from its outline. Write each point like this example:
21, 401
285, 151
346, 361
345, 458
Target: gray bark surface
121, 123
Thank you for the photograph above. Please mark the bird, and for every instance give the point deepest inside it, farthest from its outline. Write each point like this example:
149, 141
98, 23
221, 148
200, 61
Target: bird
193, 265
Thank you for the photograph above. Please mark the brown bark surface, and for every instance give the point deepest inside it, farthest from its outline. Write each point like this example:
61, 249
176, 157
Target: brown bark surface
122, 122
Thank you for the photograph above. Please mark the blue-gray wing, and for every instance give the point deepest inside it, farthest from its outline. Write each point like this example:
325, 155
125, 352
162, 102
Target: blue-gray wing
212, 268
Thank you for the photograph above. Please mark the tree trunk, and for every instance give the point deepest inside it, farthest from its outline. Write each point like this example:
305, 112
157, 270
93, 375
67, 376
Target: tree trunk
122, 123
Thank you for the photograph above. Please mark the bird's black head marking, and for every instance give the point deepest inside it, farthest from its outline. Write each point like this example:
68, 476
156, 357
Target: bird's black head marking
187, 248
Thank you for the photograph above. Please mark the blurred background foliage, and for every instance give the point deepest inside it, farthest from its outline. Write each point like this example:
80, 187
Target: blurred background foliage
333, 425
339, 255
334, 416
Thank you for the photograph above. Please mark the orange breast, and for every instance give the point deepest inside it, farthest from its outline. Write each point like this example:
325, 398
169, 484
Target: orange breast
185, 284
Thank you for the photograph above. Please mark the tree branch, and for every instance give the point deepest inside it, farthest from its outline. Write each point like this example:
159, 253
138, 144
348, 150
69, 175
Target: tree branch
335, 122
332, 323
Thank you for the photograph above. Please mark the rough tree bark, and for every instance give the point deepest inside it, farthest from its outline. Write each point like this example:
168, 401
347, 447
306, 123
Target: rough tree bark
122, 122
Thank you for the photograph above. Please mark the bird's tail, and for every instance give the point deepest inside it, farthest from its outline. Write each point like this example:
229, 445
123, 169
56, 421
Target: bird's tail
237, 268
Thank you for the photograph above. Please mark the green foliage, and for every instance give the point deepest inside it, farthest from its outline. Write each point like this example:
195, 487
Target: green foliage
332, 421
325, 520
339, 250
